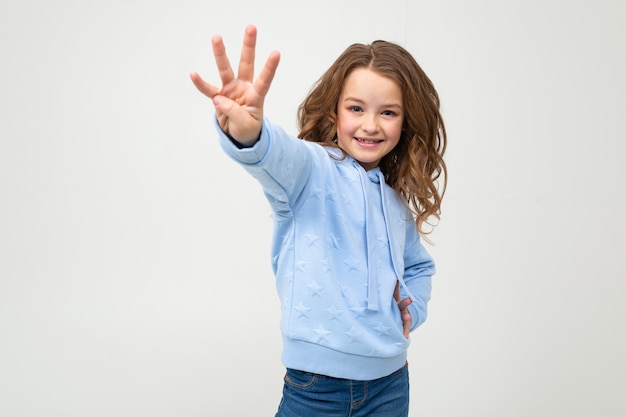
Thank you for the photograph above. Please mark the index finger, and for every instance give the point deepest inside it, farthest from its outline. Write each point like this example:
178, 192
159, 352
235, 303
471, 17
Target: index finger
264, 80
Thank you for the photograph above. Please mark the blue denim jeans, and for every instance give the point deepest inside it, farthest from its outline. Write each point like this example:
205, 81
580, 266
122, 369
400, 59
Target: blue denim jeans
311, 395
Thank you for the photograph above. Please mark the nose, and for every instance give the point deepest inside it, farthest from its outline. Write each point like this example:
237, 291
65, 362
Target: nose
370, 123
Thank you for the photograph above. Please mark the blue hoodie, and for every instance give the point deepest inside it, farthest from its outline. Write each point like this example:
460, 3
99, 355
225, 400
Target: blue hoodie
342, 239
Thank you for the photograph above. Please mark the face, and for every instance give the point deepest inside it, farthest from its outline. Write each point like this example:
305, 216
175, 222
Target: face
369, 116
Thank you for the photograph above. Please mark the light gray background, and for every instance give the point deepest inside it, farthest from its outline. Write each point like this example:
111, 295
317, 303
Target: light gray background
134, 268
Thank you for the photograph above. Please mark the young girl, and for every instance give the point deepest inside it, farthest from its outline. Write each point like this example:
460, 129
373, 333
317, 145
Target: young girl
349, 203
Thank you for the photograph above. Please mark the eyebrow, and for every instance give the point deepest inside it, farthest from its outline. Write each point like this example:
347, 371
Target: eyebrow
359, 101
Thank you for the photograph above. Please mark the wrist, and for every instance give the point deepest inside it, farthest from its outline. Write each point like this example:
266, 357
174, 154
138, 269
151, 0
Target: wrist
246, 144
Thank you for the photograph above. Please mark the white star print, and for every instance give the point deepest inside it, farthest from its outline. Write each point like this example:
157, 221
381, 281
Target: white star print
352, 263
312, 239
333, 241
354, 335
325, 268
315, 288
333, 313
303, 310
358, 311
300, 266
322, 333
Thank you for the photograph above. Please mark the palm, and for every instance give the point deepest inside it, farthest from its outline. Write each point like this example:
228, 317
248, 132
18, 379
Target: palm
239, 102
246, 98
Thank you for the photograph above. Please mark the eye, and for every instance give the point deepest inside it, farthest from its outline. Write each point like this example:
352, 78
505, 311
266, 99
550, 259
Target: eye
355, 109
389, 113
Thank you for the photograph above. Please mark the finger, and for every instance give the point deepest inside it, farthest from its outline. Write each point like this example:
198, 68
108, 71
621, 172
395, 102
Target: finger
202, 86
404, 304
221, 59
236, 121
406, 323
224, 106
264, 80
396, 292
246, 62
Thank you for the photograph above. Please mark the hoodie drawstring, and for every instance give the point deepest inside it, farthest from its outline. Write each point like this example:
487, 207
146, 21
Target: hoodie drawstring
374, 176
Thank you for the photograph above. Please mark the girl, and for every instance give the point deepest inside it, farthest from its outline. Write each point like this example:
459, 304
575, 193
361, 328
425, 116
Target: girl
349, 203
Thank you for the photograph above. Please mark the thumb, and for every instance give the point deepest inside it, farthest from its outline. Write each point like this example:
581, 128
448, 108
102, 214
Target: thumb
223, 105
236, 121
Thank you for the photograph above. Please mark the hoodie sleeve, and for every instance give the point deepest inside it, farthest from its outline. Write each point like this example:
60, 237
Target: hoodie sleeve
280, 162
418, 271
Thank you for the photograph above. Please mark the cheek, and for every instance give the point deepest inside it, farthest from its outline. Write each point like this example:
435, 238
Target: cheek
344, 126
394, 132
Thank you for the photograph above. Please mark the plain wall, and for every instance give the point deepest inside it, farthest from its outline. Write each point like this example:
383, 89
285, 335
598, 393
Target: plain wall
135, 275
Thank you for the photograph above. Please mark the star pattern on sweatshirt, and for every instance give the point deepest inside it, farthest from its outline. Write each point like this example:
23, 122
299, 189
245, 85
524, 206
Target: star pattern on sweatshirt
286, 239
333, 241
346, 201
354, 335
372, 351
337, 252
358, 311
322, 333
314, 288
334, 313
300, 266
331, 195
312, 239
352, 263
325, 267
316, 193
383, 242
288, 273
303, 311
345, 290
381, 329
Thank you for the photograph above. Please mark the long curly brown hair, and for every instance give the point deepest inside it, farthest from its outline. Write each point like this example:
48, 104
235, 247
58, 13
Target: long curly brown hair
415, 167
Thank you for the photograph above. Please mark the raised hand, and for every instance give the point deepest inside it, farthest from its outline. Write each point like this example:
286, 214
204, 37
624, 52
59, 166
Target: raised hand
239, 102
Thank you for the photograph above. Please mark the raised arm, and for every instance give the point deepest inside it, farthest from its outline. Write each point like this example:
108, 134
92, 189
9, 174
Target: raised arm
239, 102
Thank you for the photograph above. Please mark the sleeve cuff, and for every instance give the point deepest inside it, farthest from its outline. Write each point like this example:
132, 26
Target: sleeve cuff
245, 155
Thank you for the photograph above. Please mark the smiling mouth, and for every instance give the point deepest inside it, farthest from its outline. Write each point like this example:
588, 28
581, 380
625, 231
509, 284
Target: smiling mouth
368, 141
